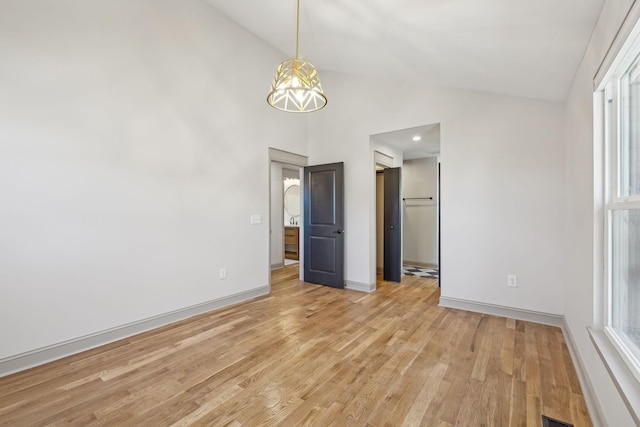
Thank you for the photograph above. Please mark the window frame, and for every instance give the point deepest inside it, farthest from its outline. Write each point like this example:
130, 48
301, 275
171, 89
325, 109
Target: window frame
622, 364
616, 96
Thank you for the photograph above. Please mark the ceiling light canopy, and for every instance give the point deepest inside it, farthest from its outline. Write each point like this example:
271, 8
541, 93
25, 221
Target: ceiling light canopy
416, 138
296, 87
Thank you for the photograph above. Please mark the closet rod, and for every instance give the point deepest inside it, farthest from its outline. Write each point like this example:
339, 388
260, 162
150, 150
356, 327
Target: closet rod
417, 198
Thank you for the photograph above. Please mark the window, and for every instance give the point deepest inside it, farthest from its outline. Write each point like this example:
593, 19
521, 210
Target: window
616, 322
630, 147
622, 209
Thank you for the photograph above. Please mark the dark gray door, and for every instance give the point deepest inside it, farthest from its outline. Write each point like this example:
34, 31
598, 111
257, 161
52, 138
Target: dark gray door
324, 225
392, 230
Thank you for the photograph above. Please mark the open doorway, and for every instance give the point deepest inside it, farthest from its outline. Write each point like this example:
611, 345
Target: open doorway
291, 220
285, 200
420, 212
420, 204
285, 215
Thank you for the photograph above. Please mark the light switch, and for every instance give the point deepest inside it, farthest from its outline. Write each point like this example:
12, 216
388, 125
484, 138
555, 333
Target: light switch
256, 219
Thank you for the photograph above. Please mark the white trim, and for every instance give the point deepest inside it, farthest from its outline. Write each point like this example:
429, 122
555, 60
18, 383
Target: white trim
619, 371
499, 310
588, 391
420, 264
382, 159
621, 345
360, 287
53, 352
624, 204
603, 110
620, 41
281, 156
277, 265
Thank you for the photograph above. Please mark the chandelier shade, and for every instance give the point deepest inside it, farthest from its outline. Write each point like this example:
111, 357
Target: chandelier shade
296, 87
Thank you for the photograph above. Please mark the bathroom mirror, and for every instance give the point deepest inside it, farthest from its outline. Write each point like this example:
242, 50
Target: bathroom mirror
292, 201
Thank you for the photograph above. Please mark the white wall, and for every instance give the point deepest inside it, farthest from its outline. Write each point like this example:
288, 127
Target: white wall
582, 218
128, 166
420, 217
277, 212
502, 159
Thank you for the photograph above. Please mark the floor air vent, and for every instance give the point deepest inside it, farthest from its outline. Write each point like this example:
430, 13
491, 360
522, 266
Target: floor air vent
550, 422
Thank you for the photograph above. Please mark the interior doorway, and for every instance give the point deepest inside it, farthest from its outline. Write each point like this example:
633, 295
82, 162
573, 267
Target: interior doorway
306, 225
286, 203
291, 219
285, 210
418, 150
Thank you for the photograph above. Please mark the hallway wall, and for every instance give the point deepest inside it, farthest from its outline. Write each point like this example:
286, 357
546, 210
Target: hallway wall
420, 217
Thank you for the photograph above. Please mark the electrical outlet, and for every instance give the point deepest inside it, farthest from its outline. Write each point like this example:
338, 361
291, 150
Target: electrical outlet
512, 281
223, 273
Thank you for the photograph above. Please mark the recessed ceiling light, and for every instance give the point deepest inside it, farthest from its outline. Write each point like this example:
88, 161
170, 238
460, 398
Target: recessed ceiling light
416, 138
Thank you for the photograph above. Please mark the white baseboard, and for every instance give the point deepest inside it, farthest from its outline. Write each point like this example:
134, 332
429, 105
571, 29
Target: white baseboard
53, 352
361, 287
499, 310
593, 406
420, 264
277, 265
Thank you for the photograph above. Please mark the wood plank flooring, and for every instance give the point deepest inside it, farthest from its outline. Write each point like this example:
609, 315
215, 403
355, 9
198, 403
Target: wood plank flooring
317, 356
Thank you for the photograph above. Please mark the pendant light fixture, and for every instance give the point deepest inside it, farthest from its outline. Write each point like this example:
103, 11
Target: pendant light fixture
296, 87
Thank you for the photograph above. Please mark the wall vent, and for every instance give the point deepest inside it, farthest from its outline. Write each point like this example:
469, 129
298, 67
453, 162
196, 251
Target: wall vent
550, 422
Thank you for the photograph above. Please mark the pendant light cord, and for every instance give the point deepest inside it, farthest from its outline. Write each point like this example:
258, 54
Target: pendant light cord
297, 27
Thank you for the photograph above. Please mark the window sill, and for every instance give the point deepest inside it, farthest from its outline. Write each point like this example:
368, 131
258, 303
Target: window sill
620, 373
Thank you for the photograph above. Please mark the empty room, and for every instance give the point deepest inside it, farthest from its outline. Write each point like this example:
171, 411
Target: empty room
157, 269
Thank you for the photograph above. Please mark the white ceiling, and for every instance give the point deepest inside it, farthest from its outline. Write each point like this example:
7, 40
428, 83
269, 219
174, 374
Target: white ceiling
527, 48
428, 146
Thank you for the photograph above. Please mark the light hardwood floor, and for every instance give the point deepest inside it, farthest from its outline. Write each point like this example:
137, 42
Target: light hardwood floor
312, 355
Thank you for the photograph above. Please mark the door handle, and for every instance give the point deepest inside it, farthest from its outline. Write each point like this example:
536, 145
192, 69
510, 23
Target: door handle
340, 231
392, 227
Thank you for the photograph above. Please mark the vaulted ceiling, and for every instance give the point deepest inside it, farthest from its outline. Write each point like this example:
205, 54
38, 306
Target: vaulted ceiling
523, 48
